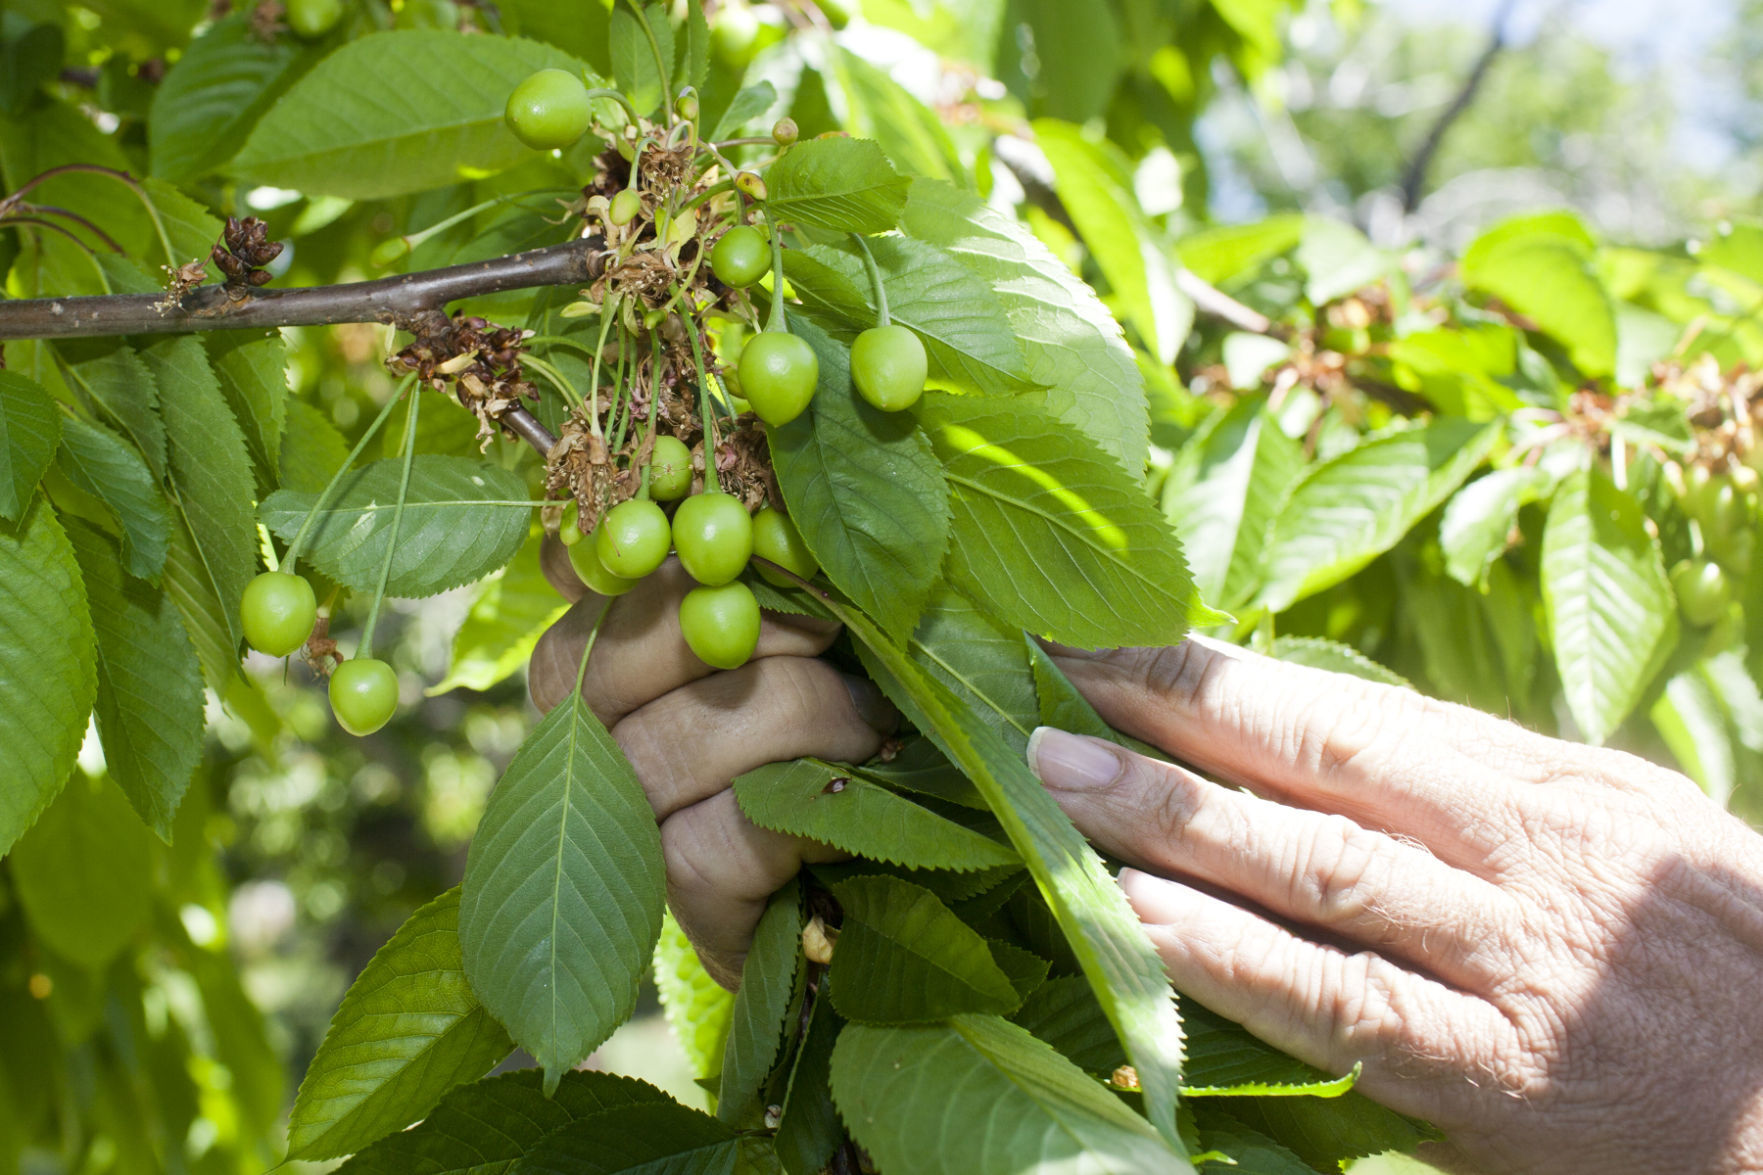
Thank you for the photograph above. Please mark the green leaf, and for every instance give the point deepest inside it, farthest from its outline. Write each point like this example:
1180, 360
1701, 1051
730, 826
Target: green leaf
116, 379
150, 703
208, 621
866, 492
512, 610
1052, 534
1608, 603
225, 79
1071, 57
877, 107
1222, 254
1542, 268
397, 112
96, 461
486, 1127
1480, 517
806, 798
982, 663
963, 327
695, 54
810, 1130
1064, 1013
1059, 702
312, 449
252, 370
756, 1024
1225, 1060
1094, 182
904, 956
1105, 938
1223, 494
981, 1094
696, 1006
84, 873
457, 524
48, 667
748, 104
563, 891
635, 67
210, 472
1072, 345
30, 428
841, 185
408, 1030
1327, 1132
1349, 510
1250, 1152
1337, 259
650, 1138
1322, 653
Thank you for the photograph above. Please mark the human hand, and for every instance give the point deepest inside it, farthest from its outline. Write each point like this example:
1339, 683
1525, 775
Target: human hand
1550, 951
689, 730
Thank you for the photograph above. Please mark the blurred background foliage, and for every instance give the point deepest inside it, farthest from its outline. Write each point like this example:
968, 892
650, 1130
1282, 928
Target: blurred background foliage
171, 1040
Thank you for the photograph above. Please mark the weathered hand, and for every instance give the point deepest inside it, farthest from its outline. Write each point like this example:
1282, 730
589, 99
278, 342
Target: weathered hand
689, 730
1551, 951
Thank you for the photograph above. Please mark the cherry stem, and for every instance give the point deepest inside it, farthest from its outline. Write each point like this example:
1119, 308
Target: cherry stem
379, 596
711, 484
875, 279
324, 499
608, 309
777, 321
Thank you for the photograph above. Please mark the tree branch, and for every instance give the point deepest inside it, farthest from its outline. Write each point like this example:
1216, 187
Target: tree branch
399, 301
1414, 180
394, 300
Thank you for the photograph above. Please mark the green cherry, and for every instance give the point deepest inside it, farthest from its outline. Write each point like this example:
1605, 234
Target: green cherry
778, 373
364, 695
889, 367
625, 207
550, 109
741, 258
592, 572
1703, 591
775, 538
670, 470
720, 624
633, 538
312, 19
277, 612
713, 534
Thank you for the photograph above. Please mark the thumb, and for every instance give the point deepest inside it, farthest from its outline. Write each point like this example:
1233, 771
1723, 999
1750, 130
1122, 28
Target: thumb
1118, 799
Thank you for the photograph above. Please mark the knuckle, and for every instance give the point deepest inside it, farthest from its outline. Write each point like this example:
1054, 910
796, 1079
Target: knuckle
1337, 872
1181, 673
655, 751
1362, 1010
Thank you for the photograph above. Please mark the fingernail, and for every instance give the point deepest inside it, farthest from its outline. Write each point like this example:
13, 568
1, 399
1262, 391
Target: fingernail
1069, 762
872, 706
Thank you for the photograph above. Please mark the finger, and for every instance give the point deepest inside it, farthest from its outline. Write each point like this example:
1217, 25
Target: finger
1309, 866
554, 562
640, 654
1417, 1038
721, 870
1387, 756
688, 744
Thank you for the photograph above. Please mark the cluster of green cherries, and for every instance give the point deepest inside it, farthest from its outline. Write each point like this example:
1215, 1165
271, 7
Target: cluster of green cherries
278, 612
1723, 508
777, 371
714, 537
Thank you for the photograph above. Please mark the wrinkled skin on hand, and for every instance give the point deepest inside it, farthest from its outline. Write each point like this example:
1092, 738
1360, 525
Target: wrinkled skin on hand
690, 730
1553, 952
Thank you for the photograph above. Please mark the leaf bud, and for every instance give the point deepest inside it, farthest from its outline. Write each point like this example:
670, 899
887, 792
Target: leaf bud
750, 185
